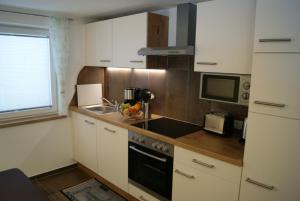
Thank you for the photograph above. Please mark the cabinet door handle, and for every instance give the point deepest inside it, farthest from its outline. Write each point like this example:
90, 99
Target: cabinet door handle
136, 61
109, 130
269, 187
89, 122
142, 198
269, 104
184, 174
202, 163
268, 40
207, 63
104, 60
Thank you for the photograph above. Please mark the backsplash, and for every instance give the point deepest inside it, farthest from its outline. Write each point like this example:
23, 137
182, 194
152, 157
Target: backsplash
176, 91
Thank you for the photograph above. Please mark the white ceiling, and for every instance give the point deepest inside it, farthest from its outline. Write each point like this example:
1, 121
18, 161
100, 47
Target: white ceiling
91, 8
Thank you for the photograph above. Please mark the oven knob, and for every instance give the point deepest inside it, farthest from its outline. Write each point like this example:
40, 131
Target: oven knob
154, 145
141, 140
246, 85
159, 146
133, 138
245, 95
165, 148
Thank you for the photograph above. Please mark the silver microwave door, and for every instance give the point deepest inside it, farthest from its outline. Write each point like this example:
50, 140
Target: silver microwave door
220, 87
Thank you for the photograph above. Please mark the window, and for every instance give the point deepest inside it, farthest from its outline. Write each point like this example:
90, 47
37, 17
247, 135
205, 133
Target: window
27, 82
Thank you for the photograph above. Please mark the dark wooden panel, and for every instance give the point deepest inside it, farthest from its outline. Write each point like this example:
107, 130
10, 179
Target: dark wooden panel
158, 36
158, 26
90, 75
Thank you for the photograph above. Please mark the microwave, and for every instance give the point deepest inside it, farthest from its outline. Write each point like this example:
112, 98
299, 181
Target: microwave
228, 88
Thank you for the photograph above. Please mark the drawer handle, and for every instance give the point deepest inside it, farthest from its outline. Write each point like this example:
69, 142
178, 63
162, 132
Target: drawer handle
104, 60
207, 63
142, 198
136, 61
184, 174
202, 163
269, 187
268, 40
269, 104
109, 130
89, 122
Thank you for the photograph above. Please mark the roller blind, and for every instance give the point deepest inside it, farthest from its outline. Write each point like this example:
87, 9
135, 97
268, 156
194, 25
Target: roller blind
25, 70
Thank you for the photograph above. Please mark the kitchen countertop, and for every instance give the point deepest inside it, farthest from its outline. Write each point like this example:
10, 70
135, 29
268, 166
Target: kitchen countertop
227, 149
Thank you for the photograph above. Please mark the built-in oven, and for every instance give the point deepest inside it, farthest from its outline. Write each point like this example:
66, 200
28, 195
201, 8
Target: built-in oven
150, 165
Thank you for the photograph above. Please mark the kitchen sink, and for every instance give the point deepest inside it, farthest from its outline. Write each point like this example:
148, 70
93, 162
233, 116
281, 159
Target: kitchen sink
101, 109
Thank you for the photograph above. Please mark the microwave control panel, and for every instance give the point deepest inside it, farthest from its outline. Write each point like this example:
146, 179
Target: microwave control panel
245, 90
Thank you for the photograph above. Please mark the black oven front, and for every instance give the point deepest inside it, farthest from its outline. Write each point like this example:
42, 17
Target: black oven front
150, 169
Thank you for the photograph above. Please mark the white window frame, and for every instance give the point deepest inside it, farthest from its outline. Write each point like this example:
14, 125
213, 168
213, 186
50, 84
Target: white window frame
35, 112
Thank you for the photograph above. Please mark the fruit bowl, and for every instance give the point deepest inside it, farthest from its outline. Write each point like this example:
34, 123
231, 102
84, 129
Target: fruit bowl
131, 112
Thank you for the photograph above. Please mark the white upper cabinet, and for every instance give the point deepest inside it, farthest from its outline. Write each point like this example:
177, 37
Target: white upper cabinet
275, 85
129, 35
99, 43
104, 43
224, 36
277, 26
271, 160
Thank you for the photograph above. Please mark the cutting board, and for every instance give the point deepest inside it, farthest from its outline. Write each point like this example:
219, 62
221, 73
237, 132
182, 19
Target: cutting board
89, 94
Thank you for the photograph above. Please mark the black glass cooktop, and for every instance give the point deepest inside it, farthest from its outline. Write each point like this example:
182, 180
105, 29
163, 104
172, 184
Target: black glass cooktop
169, 127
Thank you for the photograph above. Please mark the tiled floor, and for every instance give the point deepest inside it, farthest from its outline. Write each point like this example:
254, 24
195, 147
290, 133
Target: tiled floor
54, 183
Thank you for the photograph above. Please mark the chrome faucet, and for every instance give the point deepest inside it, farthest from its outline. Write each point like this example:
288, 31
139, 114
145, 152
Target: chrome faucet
115, 105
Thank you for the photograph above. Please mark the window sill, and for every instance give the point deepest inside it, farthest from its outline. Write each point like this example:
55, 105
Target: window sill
29, 120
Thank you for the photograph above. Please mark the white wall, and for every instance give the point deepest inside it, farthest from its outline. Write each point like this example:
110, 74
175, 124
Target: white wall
77, 55
37, 148
42, 147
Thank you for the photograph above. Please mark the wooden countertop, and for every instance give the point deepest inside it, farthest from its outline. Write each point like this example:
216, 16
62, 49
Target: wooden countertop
227, 149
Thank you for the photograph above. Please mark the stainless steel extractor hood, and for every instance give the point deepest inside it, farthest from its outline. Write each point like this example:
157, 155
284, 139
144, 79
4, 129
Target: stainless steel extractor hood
185, 34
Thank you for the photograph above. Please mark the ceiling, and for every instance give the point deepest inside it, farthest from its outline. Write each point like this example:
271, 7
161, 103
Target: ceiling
91, 8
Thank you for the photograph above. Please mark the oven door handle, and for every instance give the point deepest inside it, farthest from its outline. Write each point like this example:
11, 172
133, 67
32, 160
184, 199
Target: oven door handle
146, 154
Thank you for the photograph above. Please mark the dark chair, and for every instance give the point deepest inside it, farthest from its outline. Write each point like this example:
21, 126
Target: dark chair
16, 186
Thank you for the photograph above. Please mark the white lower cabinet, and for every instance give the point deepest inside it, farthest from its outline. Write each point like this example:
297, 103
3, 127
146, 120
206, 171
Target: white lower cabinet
140, 194
272, 160
201, 178
112, 148
101, 147
85, 143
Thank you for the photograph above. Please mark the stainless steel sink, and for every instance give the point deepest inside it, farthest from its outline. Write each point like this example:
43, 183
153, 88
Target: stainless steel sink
101, 109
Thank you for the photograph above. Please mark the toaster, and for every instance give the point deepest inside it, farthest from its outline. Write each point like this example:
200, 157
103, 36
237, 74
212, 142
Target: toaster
218, 122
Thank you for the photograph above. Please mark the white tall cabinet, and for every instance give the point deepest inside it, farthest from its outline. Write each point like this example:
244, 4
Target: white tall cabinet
224, 36
272, 160
277, 28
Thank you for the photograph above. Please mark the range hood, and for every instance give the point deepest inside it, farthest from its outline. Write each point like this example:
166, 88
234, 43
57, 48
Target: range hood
185, 34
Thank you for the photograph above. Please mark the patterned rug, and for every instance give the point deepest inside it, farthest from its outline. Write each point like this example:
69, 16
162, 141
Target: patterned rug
91, 190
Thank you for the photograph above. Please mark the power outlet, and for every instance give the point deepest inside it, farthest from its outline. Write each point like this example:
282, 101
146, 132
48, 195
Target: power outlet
237, 124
